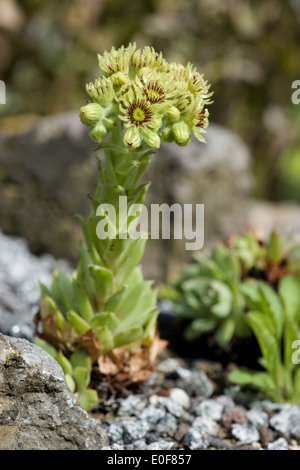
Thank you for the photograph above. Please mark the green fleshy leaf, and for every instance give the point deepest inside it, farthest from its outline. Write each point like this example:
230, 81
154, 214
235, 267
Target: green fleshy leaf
70, 382
82, 378
105, 338
225, 331
289, 291
64, 363
88, 399
261, 380
198, 327
105, 318
103, 281
128, 336
46, 346
82, 300
274, 248
62, 291
81, 358
80, 325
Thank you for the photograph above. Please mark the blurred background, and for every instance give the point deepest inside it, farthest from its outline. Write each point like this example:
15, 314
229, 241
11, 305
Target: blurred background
249, 52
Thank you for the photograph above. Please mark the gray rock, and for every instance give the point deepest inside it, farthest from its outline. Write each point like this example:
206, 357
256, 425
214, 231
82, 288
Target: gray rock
258, 417
160, 445
194, 439
206, 425
169, 366
113, 447
167, 426
134, 430
140, 444
245, 433
115, 433
279, 444
198, 381
226, 401
181, 397
287, 421
132, 405
152, 414
210, 408
38, 411
172, 406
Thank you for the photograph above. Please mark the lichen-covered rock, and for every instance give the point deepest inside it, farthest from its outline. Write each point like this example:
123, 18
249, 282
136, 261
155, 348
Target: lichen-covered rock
37, 410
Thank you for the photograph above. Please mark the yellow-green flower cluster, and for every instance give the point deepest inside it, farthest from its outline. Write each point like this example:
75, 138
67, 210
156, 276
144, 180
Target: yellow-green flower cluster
152, 99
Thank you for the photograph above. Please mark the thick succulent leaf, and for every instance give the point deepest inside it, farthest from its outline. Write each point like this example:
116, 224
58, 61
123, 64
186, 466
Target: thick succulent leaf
150, 323
291, 334
128, 336
103, 281
250, 290
83, 273
80, 325
115, 302
289, 291
224, 304
274, 248
105, 318
70, 382
261, 380
105, 338
89, 239
81, 358
61, 291
128, 263
82, 378
272, 307
81, 299
132, 299
225, 332
199, 327
270, 347
295, 397
64, 363
88, 399
47, 306
46, 347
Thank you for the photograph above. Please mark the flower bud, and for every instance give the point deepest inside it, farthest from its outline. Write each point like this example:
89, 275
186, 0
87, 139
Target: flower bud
119, 79
151, 139
173, 113
132, 137
167, 134
98, 132
181, 132
91, 113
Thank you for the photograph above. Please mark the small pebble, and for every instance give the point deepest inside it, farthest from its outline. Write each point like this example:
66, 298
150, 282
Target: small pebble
167, 426
134, 430
258, 418
245, 433
210, 408
194, 439
161, 445
279, 444
205, 424
287, 421
181, 397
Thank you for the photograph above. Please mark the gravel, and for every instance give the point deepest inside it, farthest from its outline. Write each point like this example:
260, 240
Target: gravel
180, 406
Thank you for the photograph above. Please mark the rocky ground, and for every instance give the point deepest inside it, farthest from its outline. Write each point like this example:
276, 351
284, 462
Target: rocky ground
182, 407
186, 403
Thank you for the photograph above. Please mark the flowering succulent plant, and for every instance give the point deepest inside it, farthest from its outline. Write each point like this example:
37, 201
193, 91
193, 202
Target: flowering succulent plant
103, 319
